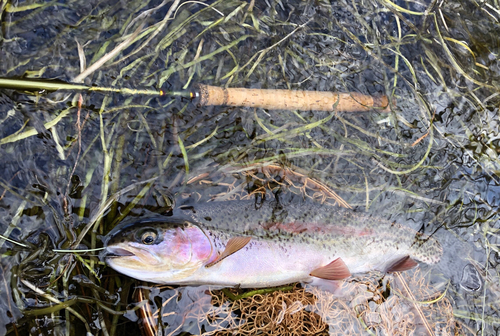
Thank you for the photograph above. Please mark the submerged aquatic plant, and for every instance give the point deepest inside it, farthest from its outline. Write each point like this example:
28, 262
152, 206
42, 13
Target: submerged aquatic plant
74, 164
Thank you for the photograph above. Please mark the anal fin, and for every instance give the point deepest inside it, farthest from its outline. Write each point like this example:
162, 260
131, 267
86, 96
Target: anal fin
402, 264
233, 245
336, 270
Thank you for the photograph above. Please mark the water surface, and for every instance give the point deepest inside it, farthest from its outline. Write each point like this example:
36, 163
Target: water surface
431, 164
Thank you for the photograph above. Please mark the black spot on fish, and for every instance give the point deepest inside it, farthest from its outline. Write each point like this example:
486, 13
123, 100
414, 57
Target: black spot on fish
187, 207
208, 219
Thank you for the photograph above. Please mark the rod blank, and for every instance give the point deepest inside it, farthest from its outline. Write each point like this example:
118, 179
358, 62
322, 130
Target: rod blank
289, 99
56, 85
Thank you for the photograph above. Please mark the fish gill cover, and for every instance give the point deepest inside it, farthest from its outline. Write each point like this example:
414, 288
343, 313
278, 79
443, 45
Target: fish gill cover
74, 164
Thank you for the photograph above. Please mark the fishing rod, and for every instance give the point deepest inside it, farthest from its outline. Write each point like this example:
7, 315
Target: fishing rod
207, 95
57, 85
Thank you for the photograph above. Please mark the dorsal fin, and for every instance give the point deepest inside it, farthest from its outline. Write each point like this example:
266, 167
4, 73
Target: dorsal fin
402, 264
233, 245
336, 270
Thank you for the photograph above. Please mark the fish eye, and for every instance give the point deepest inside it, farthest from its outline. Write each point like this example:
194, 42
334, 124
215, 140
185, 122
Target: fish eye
148, 237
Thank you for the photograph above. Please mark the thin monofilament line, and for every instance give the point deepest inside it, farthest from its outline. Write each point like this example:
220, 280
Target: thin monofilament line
79, 251
54, 250
13, 241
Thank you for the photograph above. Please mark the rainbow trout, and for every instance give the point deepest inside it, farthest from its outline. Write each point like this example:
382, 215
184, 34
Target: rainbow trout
239, 243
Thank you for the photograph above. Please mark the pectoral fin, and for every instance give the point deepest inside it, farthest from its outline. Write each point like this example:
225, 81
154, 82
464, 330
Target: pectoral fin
336, 270
402, 264
233, 245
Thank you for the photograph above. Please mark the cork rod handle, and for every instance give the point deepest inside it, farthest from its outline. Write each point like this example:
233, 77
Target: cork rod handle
289, 99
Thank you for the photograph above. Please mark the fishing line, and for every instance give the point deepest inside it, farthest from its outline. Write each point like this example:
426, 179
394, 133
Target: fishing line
13, 241
79, 251
54, 250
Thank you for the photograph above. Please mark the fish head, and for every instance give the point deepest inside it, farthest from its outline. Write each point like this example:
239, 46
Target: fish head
160, 249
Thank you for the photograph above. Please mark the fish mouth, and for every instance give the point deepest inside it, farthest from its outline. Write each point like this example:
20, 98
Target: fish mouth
114, 252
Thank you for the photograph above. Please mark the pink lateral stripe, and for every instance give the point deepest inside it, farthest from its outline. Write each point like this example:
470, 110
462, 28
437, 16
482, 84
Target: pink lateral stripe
298, 227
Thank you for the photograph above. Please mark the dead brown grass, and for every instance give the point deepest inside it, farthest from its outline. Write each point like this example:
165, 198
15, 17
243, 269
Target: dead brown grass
367, 305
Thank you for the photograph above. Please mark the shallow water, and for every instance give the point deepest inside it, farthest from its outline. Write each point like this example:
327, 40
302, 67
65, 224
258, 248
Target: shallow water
432, 164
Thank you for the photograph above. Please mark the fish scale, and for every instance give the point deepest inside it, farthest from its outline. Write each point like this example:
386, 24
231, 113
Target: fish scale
241, 243
247, 218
